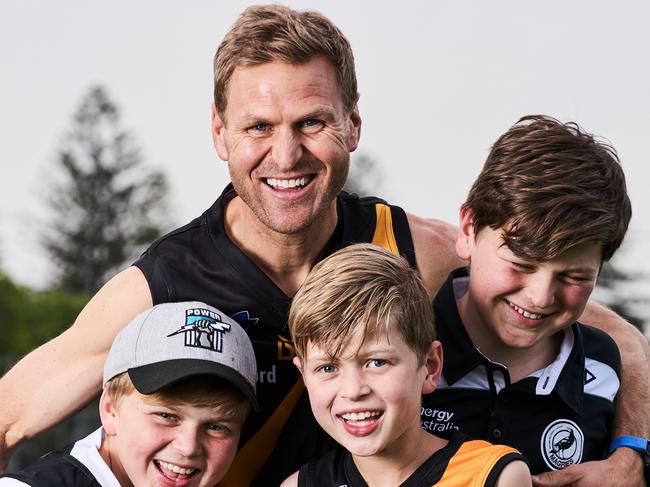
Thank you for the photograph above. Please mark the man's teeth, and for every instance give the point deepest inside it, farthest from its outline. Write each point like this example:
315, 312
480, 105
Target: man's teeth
524, 313
287, 183
360, 416
176, 469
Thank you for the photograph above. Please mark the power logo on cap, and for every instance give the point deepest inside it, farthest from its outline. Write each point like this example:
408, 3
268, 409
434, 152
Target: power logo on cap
203, 329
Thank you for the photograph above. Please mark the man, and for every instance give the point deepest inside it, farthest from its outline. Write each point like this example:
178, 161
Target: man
285, 118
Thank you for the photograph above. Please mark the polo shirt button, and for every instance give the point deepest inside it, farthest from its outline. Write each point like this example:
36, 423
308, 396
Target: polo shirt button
496, 432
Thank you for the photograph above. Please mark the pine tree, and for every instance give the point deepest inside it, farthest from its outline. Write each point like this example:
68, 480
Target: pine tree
108, 204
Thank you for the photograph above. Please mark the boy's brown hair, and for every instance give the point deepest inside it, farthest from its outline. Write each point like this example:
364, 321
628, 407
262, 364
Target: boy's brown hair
550, 186
364, 287
198, 391
268, 33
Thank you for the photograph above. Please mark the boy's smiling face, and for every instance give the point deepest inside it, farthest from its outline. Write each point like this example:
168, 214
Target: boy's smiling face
369, 398
513, 303
152, 444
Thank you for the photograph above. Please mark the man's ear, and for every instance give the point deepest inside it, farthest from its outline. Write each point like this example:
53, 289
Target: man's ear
355, 127
433, 364
465, 236
218, 134
108, 413
298, 363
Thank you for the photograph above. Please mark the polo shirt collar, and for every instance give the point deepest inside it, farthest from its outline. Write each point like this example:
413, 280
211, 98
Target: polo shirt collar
564, 376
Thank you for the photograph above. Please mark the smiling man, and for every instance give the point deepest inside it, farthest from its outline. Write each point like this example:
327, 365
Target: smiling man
285, 118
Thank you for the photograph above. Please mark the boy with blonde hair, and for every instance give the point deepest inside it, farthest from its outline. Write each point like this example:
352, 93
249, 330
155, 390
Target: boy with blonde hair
179, 382
363, 330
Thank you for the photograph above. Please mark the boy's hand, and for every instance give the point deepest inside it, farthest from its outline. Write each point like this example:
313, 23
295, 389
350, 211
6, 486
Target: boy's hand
624, 468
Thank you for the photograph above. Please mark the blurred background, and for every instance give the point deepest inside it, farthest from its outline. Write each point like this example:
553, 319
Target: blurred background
105, 123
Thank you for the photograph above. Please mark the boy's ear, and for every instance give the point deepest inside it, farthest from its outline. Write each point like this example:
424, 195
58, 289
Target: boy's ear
108, 413
218, 134
298, 363
433, 364
465, 236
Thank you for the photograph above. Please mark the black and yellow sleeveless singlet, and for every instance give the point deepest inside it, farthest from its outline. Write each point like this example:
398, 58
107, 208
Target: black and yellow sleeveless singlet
199, 262
462, 463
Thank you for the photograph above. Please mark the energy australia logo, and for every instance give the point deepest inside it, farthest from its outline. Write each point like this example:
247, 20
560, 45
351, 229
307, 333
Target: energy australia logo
203, 329
562, 444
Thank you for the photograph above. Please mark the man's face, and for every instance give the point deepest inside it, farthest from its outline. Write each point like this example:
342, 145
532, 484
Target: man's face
516, 303
287, 140
369, 398
153, 444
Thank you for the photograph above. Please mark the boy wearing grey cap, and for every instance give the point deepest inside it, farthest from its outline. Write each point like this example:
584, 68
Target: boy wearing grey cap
179, 381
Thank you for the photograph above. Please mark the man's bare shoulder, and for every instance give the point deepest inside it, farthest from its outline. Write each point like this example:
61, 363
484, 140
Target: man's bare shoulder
435, 250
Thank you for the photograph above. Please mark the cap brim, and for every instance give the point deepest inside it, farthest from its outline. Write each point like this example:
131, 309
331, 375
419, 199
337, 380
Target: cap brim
151, 378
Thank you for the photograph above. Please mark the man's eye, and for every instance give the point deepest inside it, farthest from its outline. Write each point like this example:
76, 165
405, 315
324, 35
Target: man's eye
260, 128
311, 125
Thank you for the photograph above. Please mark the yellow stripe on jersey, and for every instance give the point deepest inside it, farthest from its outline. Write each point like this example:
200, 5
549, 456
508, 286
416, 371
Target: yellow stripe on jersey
256, 451
384, 235
472, 464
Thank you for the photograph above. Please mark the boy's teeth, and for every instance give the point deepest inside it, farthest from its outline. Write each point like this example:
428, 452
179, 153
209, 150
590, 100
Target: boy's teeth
360, 416
175, 468
286, 183
525, 313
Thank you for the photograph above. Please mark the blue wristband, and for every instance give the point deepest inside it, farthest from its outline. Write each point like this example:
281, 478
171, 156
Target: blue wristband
638, 444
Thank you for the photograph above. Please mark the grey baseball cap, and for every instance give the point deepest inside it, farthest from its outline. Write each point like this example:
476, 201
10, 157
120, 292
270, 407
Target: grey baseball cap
173, 341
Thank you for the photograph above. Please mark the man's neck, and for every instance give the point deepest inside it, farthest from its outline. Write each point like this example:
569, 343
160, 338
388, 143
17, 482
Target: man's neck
285, 258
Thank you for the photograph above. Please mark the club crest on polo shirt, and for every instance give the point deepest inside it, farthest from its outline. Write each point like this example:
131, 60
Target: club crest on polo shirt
562, 444
203, 328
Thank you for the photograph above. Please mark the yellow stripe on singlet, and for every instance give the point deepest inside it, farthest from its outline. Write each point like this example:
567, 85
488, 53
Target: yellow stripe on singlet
256, 451
472, 464
384, 235
254, 454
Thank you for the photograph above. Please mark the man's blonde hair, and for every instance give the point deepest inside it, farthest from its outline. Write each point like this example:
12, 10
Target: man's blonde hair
268, 33
364, 287
200, 391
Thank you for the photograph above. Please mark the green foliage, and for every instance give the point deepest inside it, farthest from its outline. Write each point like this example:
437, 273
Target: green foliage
108, 205
31, 318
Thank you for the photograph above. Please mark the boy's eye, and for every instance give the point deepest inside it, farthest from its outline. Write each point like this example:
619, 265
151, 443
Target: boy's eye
165, 416
523, 266
326, 369
218, 429
377, 362
577, 279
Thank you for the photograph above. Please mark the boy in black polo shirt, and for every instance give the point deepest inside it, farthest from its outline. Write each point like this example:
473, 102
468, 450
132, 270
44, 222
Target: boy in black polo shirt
549, 207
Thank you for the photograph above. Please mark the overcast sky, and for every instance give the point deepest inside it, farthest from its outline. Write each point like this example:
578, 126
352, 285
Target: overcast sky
439, 82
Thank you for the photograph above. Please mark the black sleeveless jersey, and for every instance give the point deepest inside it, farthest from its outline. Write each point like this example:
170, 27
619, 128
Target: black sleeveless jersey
462, 463
199, 262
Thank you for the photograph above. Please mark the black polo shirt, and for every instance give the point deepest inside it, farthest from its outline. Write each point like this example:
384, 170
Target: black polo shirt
556, 416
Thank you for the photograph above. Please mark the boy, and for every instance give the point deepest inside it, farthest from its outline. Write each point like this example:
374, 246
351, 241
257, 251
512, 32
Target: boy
549, 207
365, 343
179, 381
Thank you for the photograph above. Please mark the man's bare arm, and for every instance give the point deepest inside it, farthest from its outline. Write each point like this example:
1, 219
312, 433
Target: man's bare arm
61, 376
435, 250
